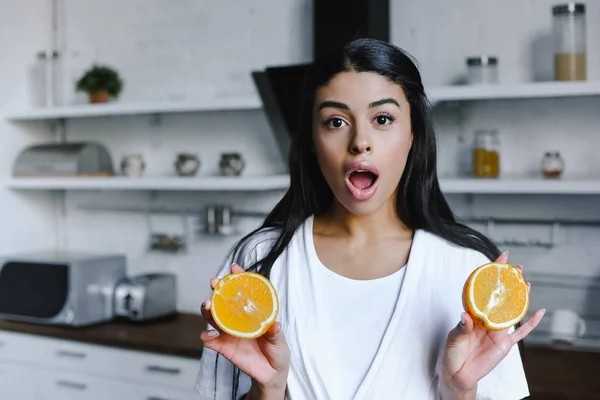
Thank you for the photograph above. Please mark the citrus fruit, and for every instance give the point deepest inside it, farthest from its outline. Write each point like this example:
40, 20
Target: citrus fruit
496, 296
244, 305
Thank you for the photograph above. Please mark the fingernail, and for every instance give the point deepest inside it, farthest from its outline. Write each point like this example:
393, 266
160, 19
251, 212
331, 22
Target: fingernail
543, 311
505, 253
203, 305
212, 333
463, 319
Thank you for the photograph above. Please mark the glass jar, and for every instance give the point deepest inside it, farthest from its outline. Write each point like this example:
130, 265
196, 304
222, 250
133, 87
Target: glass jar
482, 70
553, 164
569, 33
486, 154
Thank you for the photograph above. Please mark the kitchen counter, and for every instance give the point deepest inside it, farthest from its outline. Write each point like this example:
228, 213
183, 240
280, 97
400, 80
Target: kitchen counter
178, 335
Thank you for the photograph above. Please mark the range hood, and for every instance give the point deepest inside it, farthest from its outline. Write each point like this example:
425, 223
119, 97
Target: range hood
335, 23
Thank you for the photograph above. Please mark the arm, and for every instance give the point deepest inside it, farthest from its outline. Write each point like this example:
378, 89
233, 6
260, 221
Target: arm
258, 393
450, 393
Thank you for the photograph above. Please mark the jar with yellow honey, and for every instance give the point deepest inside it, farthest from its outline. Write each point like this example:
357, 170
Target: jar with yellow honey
486, 154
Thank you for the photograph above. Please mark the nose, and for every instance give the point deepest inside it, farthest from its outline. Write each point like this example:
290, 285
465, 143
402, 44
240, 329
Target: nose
360, 144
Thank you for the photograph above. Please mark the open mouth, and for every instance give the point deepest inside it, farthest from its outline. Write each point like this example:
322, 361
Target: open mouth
361, 179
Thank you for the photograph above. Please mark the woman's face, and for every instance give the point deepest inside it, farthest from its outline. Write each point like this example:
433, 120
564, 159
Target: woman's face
362, 135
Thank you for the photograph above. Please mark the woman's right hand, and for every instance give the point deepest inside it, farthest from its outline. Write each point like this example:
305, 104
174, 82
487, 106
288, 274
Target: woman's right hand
266, 359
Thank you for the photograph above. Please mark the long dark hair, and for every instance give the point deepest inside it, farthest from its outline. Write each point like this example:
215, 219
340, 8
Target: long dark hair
420, 202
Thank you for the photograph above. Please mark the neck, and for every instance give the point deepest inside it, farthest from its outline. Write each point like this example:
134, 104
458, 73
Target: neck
380, 223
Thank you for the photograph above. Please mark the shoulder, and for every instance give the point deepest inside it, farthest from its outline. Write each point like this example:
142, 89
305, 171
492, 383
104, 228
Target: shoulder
250, 249
457, 260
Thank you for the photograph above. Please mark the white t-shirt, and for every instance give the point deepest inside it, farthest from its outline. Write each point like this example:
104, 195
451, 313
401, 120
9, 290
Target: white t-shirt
345, 348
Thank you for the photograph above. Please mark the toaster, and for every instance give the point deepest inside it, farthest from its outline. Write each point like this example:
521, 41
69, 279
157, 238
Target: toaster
146, 296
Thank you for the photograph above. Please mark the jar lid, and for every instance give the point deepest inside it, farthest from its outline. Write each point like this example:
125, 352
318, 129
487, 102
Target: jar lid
569, 8
482, 60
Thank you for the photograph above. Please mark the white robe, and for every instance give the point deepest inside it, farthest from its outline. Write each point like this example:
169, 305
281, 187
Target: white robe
428, 307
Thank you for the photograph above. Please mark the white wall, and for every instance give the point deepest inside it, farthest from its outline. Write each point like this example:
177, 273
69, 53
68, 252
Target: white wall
190, 49
27, 220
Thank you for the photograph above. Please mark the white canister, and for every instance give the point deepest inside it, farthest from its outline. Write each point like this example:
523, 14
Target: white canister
482, 70
133, 165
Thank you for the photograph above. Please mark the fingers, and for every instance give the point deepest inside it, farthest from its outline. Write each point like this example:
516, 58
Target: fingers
205, 310
526, 328
462, 329
212, 339
236, 269
276, 348
273, 331
503, 258
210, 335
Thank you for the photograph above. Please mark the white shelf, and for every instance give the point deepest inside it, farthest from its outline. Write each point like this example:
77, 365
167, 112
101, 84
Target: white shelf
521, 186
516, 91
123, 108
436, 95
281, 182
241, 184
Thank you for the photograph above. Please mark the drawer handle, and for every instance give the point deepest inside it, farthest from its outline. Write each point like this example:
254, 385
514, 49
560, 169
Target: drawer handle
72, 385
71, 354
163, 370
156, 398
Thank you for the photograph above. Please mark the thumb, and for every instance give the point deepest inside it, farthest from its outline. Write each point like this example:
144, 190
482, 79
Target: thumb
276, 347
461, 330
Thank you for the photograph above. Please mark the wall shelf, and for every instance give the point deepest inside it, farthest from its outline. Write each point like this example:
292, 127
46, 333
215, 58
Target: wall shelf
521, 185
217, 183
514, 91
280, 182
436, 95
134, 108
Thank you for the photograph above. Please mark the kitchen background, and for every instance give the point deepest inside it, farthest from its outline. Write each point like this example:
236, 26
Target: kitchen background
201, 53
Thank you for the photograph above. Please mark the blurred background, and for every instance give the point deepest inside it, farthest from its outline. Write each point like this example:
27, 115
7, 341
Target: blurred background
142, 138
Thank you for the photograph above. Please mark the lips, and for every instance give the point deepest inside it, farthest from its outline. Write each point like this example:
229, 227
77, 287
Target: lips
362, 179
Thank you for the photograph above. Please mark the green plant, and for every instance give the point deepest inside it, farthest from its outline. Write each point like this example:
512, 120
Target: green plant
99, 78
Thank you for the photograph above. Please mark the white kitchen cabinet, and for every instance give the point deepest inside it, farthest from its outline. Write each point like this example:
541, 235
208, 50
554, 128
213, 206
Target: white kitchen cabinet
17, 381
66, 385
42, 368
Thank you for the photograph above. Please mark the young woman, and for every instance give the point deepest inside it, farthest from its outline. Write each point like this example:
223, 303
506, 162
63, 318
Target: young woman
367, 258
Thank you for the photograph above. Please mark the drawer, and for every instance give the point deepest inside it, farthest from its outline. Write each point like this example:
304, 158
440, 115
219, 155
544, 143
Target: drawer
16, 381
63, 385
105, 361
160, 369
19, 347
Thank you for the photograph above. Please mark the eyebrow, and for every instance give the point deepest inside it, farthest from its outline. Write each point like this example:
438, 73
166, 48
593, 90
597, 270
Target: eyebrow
344, 106
381, 102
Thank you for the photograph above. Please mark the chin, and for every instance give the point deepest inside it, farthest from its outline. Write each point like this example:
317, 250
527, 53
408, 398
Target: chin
360, 207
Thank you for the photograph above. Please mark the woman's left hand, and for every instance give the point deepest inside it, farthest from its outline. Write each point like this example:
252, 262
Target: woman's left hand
471, 352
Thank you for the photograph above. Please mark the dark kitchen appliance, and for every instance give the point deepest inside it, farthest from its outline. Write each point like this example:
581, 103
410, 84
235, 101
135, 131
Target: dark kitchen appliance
54, 288
335, 23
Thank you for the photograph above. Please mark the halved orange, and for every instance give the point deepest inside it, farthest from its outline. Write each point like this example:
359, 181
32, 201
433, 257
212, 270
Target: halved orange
244, 305
496, 296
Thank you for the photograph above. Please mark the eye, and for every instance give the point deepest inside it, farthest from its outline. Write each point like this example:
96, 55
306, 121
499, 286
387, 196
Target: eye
334, 123
384, 119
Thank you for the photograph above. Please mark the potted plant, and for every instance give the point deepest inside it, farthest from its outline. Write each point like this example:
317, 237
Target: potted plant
101, 83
